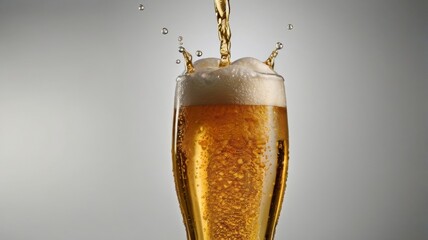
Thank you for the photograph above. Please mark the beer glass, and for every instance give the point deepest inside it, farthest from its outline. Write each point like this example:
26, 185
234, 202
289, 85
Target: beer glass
230, 149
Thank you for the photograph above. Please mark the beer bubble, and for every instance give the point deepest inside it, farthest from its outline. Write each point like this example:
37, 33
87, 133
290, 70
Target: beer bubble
141, 7
178, 61
164, 31
181, 49
180, 38
290, 26
199, 53
279, 45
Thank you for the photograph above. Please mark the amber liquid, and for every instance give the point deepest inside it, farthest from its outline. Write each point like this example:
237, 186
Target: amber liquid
222, 11
230, 168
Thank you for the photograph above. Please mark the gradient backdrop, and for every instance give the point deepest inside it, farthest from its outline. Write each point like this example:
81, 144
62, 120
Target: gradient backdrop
86, 100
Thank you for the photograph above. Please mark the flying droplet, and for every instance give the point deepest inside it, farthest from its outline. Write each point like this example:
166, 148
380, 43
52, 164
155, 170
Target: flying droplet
181, 49
178, 61
279, 45
199, 53
180, 40
164, 31
290, 26
141, 7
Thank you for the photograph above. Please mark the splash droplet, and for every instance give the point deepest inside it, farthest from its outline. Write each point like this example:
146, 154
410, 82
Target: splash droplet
181, 49
180, 40
141, 7
271, 60
178, 61
290, 26
199, 53
164, 31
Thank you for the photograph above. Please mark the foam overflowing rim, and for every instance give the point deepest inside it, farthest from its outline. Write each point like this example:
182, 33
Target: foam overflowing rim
246, 81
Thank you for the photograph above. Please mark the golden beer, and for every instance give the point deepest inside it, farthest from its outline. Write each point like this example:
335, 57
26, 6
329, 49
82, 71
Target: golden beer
230, 167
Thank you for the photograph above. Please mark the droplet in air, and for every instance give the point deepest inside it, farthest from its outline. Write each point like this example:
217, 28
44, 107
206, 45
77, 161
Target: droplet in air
181, 49
279, 45
180, 40
290, 26
178, 61
141, 7
164, 31
199, 53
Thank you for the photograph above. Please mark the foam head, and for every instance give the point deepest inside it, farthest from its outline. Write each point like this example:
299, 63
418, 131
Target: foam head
246, 81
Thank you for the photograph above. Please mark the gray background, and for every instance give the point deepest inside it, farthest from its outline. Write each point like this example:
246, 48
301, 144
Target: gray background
86, 100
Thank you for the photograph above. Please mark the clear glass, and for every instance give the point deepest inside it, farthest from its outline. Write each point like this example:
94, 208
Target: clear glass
230, 155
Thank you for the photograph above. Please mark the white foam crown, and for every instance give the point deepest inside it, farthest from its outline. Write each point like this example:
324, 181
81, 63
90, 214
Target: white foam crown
246, 81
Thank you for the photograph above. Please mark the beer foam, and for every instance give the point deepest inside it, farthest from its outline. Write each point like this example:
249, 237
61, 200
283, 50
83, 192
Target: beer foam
246, 81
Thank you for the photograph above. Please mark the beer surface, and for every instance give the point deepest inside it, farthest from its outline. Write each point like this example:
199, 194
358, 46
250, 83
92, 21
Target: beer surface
230, 168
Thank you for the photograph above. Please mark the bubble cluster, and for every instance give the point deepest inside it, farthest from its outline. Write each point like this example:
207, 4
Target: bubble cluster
141, 7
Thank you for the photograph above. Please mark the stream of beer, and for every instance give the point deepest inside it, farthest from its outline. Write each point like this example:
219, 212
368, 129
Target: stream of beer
222, 10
